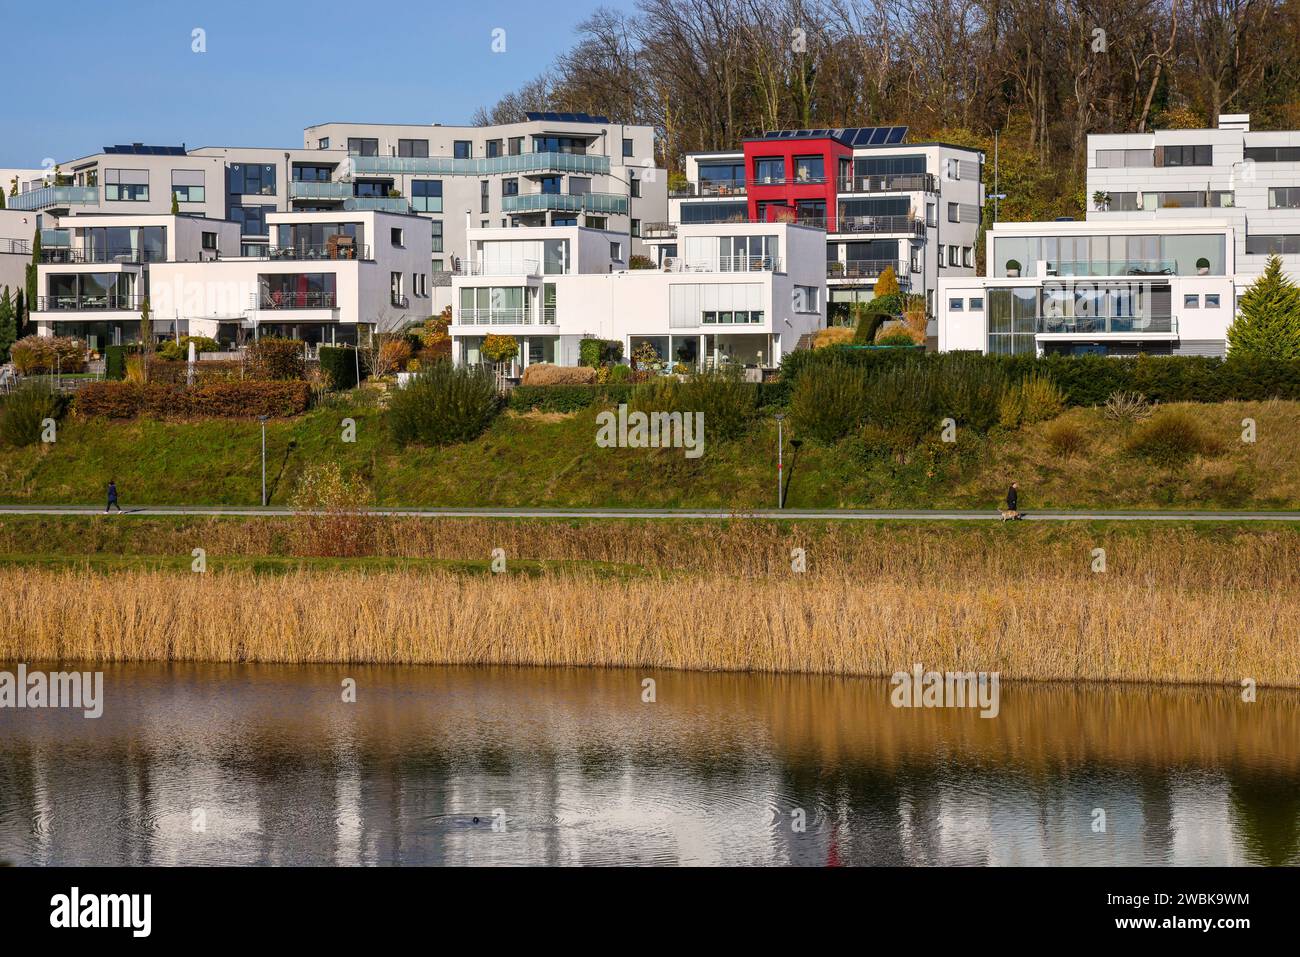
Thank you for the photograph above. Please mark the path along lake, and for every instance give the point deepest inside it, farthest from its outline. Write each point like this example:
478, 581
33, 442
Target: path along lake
236, 764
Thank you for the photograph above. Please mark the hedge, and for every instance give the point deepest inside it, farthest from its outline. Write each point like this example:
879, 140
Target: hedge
126, 400
566, 398
176, 372
340, 363
1091, 379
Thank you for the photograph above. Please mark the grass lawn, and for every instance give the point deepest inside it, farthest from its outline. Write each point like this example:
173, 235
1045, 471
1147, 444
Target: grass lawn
552, 460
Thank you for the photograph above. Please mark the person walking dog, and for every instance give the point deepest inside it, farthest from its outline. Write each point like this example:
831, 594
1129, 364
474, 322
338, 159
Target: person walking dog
1013, 503
112, 497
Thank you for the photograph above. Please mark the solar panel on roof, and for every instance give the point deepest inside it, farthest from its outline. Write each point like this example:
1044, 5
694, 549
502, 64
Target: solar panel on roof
550, 117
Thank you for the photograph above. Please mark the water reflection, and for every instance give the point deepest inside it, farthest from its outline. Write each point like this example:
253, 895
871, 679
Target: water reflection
278, 769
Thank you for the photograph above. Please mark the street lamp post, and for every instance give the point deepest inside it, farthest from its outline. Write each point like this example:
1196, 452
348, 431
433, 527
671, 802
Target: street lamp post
780, 460
262, 419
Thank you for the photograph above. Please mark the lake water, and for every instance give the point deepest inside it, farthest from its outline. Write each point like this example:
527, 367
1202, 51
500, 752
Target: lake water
204, 764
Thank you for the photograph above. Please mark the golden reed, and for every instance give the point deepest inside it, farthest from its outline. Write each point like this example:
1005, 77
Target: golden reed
1103, 627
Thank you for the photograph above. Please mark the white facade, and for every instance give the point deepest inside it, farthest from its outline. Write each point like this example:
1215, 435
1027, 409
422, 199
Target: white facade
16, 230
323, 277
741, 293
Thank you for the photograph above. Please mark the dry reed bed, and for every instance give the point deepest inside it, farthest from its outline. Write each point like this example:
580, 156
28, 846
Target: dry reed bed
1105, 628
1181, 557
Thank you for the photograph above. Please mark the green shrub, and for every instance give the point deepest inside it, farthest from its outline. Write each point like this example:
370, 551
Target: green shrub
340, 364
620, 373
726, 401
969, 389
1170, 438
1034, 399
273, 358
174, 350
115, 362
444, 404
903, 404
864, 332
566, 398
829, 402
24, 412
897, 339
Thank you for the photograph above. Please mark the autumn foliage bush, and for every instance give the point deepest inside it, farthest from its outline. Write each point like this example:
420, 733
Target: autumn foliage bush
544, 373
127, 400
272, 358
33, 355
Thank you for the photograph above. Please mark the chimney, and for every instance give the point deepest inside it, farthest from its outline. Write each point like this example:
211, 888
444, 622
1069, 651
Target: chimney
1235, 121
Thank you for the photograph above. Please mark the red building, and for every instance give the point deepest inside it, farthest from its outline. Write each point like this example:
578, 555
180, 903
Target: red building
796, 178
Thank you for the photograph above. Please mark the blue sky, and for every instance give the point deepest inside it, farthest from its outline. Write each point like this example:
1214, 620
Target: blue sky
84, 74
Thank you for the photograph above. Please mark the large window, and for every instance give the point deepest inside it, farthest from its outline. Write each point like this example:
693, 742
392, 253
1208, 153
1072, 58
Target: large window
560, 144
1284, 197
187, 185
809, 169
1200, 155
491, 304
555, 256
106, 244
298, 290
322, 240
864, 166
418, 148
1012, 315
715, 176
426, 195
1277, 244
1139, 255
462, 149
251, 219
769, 170
713, 212
363, 146
91, 290
1273, 154
493, 149
1129, 158
126, 185
312, 174
252, 179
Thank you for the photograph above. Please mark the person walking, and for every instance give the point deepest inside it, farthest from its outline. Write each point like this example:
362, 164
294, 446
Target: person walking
112, 497
1013, 501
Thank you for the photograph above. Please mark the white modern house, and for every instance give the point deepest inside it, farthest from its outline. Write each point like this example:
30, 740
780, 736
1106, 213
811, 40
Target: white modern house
324, 277
736, 293
883, 202
1180, 222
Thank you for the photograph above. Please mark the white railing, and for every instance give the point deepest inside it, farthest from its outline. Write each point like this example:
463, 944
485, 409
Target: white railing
725, 264
493, 317
517, 267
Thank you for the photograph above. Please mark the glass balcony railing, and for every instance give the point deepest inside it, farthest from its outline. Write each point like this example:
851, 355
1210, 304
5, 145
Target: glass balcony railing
320, 190
890, 183
482, 166
867, 269
51, 196
123, 254
565, 202
1114, 267
382, 204
1101, 325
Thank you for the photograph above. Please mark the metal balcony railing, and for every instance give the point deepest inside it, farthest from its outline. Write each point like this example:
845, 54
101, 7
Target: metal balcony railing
382, 204
908, 225
107, 302
490, 316
867, 269
544, 162
1102, 325
400, 302
19, 247
327, 252
55, 196
548, 315
712, 187
110, 255
298, 300
890, 183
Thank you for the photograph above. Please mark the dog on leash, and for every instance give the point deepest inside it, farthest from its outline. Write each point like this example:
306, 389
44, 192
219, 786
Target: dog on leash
1010, 514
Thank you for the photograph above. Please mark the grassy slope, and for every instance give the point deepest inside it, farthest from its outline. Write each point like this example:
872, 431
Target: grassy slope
553, 460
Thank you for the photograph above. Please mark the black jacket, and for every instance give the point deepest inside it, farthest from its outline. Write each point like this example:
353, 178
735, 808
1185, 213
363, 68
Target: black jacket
1011, 500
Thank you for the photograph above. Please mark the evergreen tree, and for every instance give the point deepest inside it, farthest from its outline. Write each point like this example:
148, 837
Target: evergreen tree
20, 313
176, 205
1268, 317
8, 328
146, 328
887, 282
2, 199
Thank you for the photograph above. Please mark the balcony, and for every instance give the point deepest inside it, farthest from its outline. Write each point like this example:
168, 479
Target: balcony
715, 187
518, 267
1106, 325
908, 225
18, 247
890, 183
493, 317
103, 302
328, 253
482, 166
565, 203
52, 196
1113, 267
298, 300
125, 256
867, 269
299, 190
381, 204
658, 230
726, 264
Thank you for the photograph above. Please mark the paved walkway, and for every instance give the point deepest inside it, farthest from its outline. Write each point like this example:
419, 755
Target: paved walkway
923, 515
